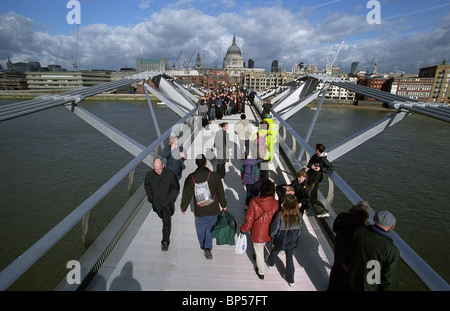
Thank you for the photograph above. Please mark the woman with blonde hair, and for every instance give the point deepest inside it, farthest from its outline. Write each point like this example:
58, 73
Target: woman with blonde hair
285, 230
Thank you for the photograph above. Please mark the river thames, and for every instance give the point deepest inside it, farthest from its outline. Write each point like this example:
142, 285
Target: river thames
52, 161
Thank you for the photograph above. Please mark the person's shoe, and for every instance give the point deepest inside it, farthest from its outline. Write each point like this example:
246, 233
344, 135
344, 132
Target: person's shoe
208, 254
164, 246
290, 284
261, 276
270, 267
325, 215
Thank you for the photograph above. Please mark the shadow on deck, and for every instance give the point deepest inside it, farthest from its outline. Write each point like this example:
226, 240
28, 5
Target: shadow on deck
137, 262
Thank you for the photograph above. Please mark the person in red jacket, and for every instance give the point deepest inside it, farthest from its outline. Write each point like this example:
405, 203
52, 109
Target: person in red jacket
259, 215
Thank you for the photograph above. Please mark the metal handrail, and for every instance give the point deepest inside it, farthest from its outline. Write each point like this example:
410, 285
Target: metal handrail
20, 265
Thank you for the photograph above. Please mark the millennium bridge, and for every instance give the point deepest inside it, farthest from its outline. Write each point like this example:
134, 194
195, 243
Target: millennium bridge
126, 255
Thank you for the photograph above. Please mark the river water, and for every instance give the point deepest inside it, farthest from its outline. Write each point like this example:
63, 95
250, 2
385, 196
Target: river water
52, 161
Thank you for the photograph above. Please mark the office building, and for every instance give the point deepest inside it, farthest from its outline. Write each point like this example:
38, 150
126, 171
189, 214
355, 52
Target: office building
441, 79
152, 65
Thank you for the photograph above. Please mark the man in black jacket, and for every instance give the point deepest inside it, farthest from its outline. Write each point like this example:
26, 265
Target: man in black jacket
205, 215
162, 189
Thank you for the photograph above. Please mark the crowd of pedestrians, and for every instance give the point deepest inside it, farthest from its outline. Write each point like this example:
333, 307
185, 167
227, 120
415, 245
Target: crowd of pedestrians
224, 101
274, 213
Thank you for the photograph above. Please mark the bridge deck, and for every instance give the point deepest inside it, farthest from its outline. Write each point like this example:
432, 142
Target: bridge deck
137, 262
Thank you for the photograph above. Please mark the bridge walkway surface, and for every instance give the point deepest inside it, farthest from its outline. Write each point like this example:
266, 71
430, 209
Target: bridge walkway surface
137, 262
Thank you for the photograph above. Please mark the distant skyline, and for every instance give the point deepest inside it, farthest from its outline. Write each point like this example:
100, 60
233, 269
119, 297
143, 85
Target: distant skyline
113, 33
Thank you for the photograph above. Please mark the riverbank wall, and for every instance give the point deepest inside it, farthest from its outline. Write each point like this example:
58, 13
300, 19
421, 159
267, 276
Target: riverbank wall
22, 96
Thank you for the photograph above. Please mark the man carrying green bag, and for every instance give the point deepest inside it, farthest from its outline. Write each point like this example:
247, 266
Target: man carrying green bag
225, 229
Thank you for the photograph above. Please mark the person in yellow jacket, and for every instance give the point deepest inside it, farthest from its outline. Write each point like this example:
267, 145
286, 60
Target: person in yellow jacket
262, 146
272, 128
259, 146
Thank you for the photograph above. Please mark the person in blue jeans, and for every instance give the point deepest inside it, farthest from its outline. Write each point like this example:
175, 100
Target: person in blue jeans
206, 211
285, 229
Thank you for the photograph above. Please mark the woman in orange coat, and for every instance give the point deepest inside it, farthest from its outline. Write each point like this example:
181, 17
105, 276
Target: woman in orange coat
259, 215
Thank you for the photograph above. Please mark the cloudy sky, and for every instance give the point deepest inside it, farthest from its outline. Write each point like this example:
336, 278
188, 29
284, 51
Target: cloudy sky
113, 33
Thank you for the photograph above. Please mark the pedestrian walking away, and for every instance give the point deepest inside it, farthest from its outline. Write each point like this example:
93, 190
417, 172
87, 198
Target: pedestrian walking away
222, 144
285, 230
250, 175
244, 131
210, 184
257, 221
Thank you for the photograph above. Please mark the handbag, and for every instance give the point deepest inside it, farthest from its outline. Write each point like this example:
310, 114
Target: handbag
241, 244
224, 229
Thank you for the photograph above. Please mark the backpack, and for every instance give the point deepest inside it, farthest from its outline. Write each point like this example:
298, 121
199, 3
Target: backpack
202, 193
250, 171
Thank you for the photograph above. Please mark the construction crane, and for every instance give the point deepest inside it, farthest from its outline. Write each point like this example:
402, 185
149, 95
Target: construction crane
186, 64
310, 68
371, 65
74, 62
59, 53
329, 66
337, 53
174, 64
218, 56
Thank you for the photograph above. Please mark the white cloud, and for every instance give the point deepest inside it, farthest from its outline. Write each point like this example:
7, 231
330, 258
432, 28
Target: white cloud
263, 34
15, 32
144, 4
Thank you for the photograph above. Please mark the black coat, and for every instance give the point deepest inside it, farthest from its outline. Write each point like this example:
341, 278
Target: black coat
314, 177
215, 187
162, 190
302, 193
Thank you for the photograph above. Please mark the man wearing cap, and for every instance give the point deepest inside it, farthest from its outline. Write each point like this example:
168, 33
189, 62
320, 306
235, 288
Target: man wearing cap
374, 260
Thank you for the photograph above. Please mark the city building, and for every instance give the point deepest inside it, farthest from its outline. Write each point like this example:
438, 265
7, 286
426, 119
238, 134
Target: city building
337, 93
274, 66
21, 67
278, 78
152, 65
412, 87
233, 59
13, 81
216, 78
198, 62
378, 82
255, 79
233, 62
65, 81
441, 79
354, 68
